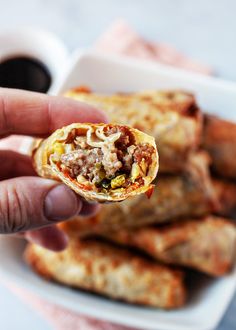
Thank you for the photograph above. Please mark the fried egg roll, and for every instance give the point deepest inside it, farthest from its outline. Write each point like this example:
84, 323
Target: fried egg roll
100, 162
110, 271
206, 244
226, 194
172, 117
219, 139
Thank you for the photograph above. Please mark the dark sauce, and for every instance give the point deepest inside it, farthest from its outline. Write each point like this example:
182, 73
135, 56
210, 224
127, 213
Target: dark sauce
24, 73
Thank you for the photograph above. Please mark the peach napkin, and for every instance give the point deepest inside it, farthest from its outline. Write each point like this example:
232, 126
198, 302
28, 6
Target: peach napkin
61, 318
121, 39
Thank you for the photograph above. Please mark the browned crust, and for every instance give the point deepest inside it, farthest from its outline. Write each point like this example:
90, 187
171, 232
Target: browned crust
226, 194
36, 263
110, 271
207, 245
177, 100
174, 100
219, 139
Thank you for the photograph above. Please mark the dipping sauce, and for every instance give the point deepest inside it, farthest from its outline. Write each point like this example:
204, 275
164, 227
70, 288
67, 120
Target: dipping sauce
25, 73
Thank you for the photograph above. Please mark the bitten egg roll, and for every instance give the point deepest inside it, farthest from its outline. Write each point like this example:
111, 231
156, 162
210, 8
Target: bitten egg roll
110, 271
172, 117
101, 162
207, 244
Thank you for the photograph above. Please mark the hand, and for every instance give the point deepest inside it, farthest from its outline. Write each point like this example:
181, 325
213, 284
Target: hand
30, 204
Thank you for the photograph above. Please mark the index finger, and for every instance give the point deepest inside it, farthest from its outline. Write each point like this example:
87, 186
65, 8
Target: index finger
37, 114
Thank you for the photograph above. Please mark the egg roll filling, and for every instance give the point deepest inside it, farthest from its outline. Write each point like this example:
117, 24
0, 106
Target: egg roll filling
106, 158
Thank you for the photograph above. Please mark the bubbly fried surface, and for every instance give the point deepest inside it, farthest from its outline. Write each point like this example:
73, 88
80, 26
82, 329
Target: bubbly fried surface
102, 268
207, 244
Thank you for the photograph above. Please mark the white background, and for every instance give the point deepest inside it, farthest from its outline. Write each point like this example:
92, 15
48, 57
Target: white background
202, 29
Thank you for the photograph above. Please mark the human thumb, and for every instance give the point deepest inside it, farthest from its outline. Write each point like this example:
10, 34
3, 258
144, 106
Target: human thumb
32, 202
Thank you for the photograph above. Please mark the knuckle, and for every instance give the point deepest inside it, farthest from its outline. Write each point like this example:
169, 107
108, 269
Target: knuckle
3, 114
13, 216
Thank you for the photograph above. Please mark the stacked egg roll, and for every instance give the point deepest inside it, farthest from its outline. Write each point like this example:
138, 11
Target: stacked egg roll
111, 271
171, 117
207, 244
226, 195
219, 139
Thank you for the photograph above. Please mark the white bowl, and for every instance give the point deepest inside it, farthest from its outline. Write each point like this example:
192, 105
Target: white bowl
209, 298
38, 44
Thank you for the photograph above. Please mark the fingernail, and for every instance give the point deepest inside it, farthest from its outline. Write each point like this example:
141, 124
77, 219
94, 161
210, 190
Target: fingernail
61, 203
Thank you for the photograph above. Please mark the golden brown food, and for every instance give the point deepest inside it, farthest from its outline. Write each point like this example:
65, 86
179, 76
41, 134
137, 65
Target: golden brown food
207, 244
102, 268
188, 195
226, 194
172, 117
98, 161
219, 139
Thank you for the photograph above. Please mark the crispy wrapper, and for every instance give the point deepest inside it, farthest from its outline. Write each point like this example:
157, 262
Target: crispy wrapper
85, 157
226, 194
207, 244
175, 197
172, 117
219, 139
110, 271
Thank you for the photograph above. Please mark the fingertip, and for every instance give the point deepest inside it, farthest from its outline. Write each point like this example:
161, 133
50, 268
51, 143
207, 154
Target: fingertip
92, 114
76, 111
102, 117
89, 209
51, 238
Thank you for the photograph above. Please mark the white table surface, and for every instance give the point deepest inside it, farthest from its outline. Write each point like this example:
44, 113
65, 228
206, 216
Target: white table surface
202, 29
